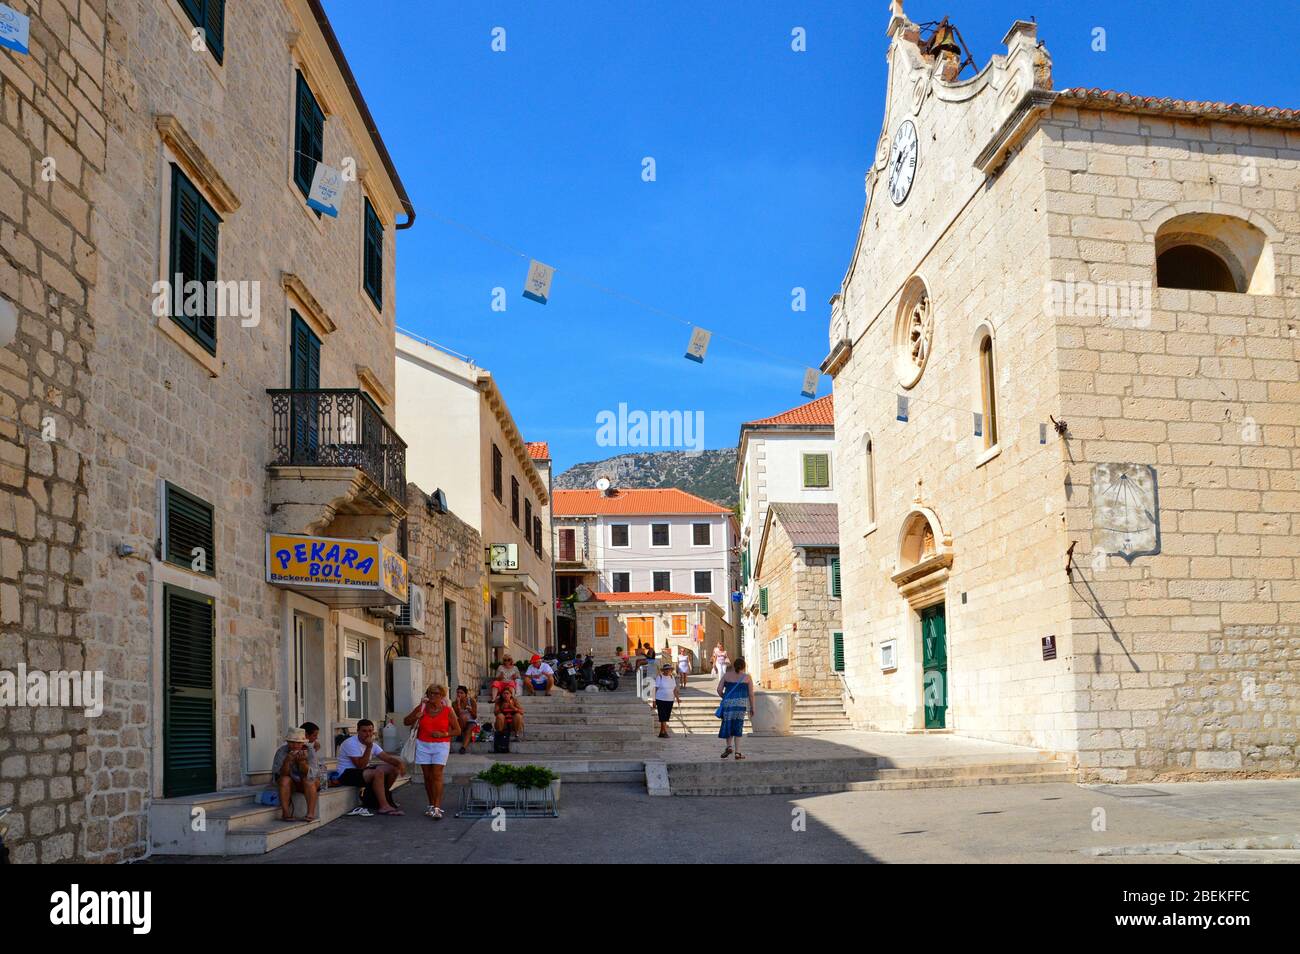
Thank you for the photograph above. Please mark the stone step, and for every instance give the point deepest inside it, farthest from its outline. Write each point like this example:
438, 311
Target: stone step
902, 784
826, 770
541, 733
601, 747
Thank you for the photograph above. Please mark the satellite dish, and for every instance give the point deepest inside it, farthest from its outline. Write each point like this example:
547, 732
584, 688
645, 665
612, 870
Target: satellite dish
602, 484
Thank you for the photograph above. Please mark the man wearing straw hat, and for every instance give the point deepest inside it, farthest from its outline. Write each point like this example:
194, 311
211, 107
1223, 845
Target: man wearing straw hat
295, 770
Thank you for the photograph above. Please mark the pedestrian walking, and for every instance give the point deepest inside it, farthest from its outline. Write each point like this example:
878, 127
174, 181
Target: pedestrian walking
683, 665
737, 692
437, 727
665, 695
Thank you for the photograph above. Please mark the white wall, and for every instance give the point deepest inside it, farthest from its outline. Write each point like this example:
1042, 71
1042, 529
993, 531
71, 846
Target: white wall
438, 406
680, 557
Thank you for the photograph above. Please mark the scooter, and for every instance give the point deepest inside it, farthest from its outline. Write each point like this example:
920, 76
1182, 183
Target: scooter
4, 830
606, 677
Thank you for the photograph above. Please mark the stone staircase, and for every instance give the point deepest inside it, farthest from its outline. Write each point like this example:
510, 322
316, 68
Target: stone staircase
602, 725
818, 714
694, 716
232, 822
755, 776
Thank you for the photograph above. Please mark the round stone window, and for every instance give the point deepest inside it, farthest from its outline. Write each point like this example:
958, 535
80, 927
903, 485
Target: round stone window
913, 332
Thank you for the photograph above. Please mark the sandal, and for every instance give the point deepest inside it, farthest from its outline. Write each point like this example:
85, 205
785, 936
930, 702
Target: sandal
391, 811
362, 812
726, 752
428, 812
739, 757
437, 814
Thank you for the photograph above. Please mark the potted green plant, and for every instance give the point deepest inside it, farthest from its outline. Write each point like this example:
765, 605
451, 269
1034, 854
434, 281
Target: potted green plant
525, 786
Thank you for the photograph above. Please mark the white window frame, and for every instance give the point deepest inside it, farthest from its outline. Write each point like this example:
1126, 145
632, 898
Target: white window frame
668, 573
661, 546
613, 581
620, 546
803, 470
778, 650
704, 523
695, 583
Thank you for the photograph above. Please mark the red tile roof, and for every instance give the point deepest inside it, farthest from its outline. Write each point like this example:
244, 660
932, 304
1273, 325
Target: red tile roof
659, 596
820, 411
538, 450
1189, 108
631, 502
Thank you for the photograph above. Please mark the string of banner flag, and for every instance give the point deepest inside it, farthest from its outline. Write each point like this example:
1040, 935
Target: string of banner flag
328, 185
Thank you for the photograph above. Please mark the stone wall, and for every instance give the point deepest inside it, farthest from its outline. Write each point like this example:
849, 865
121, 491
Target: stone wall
52, 130
800, 605
445, 555
1188, 659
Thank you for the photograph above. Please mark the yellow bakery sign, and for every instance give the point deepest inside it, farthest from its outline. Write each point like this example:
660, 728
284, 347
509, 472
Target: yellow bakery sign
337, 572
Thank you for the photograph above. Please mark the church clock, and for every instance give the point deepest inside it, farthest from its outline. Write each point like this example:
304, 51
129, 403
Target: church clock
903, 156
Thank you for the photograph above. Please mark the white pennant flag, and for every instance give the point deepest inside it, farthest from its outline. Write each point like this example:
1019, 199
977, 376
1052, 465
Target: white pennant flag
699, 345
810, 376
326, 187
538, 284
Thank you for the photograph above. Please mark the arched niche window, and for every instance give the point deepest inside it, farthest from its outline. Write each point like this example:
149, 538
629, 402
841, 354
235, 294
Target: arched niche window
988, 391
1204, 251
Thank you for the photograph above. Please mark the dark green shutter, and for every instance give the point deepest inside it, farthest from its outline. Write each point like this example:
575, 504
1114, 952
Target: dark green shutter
309, 136
762, 601
837, 651
214, 26
189, 524
195, 233
373, 260
835, 577
744, 568
189, 704
304, 364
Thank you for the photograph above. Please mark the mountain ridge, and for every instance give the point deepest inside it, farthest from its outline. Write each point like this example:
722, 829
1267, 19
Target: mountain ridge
710, 474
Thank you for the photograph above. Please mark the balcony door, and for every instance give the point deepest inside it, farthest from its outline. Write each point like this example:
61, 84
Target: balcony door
304, 375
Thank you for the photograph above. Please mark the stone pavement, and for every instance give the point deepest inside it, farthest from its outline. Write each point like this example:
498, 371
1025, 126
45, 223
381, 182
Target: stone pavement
1052, 823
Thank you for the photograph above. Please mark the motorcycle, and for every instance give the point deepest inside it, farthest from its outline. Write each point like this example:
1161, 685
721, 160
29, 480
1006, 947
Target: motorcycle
4, 830
606, 677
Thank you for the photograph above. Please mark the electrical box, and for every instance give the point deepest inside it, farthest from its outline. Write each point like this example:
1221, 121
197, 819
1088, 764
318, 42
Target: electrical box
259, 729
500, 632
408, 683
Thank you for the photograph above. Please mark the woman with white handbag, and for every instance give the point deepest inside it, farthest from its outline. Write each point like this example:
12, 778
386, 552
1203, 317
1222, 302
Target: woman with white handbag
433, 725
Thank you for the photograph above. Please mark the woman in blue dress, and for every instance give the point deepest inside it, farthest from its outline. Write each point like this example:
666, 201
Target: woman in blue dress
737, 691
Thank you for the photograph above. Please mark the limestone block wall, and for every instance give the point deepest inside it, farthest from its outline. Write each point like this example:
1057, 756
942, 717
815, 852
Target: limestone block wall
52, 129
445, 555
801, 607
1189, 659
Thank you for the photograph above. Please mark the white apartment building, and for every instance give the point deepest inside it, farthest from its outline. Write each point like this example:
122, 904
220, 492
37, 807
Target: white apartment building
786, 458
645, 541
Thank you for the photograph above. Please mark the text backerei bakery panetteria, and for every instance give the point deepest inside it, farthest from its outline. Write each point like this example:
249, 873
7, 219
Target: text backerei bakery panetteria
338, 573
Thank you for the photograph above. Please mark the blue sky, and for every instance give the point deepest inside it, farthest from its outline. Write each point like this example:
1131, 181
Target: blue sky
760, 154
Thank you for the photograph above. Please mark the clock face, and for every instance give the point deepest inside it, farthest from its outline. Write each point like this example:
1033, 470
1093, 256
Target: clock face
903, 157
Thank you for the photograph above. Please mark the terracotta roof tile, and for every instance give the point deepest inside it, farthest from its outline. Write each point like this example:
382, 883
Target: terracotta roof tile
631, 502
660, 596
1189, 108
820, 411
538, 450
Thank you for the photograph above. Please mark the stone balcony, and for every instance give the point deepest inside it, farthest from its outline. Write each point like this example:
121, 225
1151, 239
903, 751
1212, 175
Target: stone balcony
337, 467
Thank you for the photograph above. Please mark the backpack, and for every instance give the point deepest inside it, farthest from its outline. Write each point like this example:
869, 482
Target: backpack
501, 742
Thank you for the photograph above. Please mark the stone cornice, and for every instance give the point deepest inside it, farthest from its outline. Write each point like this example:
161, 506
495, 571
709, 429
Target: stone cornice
311, 308
370, 381
198, 165
1033, 104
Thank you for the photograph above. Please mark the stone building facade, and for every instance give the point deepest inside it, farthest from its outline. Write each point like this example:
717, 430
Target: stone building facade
610, 622
445, 556
52, 157
1068, 509
798, 603
193, 163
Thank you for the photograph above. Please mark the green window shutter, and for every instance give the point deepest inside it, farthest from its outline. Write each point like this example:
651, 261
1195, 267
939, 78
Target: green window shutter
762, 601
837, 651
816, 470
308, 137
195, 232
214, 26
835, 577
744, 568
374, 256
188, 524
189, 700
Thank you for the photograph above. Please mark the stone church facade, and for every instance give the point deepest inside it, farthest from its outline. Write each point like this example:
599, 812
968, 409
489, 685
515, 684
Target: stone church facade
1065, 374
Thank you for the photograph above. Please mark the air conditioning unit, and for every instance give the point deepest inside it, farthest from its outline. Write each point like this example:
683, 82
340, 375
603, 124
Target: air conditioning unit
410, 615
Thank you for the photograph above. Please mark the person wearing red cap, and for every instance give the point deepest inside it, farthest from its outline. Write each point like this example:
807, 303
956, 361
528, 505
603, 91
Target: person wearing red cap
540, 677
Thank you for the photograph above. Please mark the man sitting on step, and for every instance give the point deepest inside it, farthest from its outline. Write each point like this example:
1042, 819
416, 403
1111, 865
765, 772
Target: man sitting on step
295, 769
356, 756
540, 676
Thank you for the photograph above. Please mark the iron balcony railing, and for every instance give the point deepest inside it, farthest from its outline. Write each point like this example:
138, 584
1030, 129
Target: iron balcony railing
337, 427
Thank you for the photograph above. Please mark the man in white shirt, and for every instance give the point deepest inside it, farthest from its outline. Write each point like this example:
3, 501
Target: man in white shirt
355, 757
540, 677
665, 695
